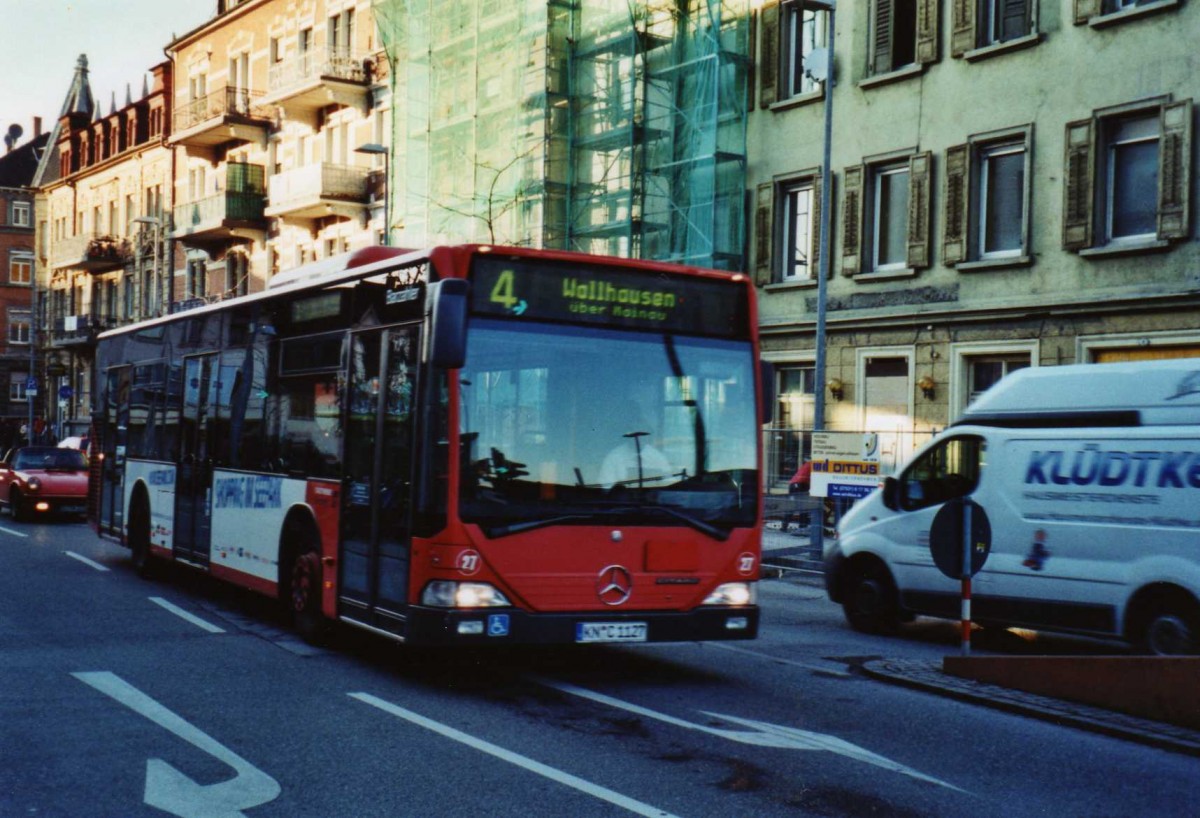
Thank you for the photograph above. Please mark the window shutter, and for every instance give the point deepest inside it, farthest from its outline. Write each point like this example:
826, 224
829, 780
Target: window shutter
768, 66
814, 238
1174, 170
881, 58
852, 217
1014, 19
763, 227
1079, 177
1086, 10
927, 31
962, 35
958, 175
919, 179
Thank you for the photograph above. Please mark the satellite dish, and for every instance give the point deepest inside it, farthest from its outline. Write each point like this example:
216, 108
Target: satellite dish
816, 64
13, 136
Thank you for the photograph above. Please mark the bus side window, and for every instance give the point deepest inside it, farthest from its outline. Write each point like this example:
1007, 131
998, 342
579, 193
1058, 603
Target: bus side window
947, 471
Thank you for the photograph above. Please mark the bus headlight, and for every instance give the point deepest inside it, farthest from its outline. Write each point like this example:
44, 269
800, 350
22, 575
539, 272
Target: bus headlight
34, 484
448, 594
732, 593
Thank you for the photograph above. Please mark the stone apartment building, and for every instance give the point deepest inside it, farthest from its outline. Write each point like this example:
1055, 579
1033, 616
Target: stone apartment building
1011, 187
17, 243
238, 159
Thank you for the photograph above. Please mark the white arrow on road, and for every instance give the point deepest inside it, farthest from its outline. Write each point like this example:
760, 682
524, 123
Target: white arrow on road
172, 791
763, 734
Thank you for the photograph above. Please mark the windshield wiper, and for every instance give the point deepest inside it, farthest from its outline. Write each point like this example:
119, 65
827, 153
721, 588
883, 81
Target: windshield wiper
596, 516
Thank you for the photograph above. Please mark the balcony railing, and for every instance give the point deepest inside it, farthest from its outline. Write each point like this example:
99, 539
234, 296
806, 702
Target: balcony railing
227, 102
302, 69
215, 211
313, 186
95, 251
78, 329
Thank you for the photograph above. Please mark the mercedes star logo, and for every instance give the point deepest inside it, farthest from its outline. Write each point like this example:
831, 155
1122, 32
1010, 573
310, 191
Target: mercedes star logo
614, 585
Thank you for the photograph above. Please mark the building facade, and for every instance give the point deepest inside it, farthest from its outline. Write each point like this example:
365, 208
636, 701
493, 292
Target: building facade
17, 244
1011, 187
274, 101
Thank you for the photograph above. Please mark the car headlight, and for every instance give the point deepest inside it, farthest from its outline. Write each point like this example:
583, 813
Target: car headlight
448, 594
733, 593
34, 484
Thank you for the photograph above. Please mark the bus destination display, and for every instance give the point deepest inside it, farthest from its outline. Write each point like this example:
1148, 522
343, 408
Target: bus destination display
549, 291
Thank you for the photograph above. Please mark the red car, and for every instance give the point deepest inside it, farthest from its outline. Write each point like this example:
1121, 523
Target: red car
43, 479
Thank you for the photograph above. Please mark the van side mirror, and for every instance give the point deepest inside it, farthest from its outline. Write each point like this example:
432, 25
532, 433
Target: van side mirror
891, 493
446, 304
766, 379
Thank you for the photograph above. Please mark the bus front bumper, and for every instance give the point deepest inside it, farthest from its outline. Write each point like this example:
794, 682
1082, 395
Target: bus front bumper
506, 626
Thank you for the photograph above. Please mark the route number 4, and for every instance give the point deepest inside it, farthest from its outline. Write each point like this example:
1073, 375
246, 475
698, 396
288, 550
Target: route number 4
502, 291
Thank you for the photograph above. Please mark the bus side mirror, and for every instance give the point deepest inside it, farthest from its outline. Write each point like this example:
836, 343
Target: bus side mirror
891, 493
766, 378
447, 307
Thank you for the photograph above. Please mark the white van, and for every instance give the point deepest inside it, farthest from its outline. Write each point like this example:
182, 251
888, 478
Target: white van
1090, 478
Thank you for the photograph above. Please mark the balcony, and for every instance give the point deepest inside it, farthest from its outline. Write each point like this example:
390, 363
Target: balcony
77, 330
229, 115
317, 191
308, 82
93, 252
216, 218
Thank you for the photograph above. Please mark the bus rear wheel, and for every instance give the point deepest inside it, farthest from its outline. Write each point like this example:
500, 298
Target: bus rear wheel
139, 539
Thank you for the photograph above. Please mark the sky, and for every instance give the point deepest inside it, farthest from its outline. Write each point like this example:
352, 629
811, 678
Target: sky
42, 40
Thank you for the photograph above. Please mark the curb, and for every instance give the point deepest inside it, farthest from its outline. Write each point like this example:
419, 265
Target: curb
927, 675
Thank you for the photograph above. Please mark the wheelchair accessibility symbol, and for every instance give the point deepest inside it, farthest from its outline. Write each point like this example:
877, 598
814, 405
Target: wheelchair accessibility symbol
497, 625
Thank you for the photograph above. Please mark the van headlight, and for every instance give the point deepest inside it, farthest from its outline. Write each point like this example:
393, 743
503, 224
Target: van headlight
733, 593
448, 594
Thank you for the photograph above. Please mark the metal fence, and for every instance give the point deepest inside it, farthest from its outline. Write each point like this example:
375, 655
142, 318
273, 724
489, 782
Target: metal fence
796, 521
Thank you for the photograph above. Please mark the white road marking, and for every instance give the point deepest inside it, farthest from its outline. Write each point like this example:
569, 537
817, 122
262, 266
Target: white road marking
763, 734
14, 532
829, 671
182, 614
586, 787
85, 560
171, 791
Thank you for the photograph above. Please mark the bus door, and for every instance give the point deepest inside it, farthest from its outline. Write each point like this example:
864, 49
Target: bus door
379, 441
111, 447
193, 480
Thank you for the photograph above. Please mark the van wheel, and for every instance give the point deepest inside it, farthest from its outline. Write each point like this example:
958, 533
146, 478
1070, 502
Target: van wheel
1170, 632
870, 601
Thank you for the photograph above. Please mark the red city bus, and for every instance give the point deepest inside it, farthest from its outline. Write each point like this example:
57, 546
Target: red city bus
466, 444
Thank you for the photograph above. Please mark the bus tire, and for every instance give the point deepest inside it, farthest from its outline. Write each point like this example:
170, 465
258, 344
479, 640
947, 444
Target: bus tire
139, 537
302, 585
1166, 622
869, 599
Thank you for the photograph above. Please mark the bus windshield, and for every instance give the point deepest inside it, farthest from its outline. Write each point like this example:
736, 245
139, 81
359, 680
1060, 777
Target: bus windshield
587, 425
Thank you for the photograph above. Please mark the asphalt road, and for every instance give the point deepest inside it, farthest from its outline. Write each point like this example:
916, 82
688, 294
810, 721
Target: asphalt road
121, 697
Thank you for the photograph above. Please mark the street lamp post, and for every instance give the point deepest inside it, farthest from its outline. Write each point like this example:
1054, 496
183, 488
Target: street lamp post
375, 149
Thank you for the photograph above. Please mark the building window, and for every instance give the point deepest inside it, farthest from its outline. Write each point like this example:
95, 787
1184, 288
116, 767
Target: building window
793, 417
17, 382
237, 274
797, 233
788, 217
903, 33
21, 216
982, 23
985, 371
20, 269
885, 216
197, 272
19, 322
1127, 177
987, 198
804, 30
